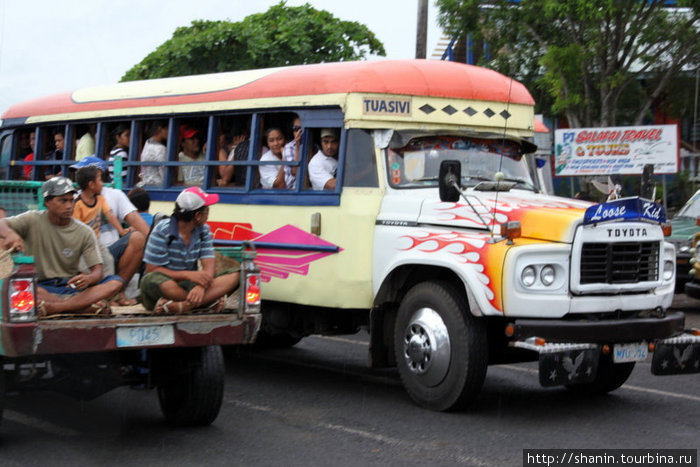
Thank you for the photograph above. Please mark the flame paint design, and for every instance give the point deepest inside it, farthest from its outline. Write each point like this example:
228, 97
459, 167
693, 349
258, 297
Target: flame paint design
467, 248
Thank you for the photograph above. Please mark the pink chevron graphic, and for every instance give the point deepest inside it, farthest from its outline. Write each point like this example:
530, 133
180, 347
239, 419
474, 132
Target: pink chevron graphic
275, 262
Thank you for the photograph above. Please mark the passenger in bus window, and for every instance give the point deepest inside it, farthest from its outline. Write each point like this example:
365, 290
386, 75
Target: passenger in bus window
272, 176
55, 155
191, 152
28, 170
154, 151
86, 143
224, 147
238, 151
120, 136
291, 153
324, 164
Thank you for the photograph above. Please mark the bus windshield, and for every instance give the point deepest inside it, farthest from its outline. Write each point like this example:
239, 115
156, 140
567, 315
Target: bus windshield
417, 163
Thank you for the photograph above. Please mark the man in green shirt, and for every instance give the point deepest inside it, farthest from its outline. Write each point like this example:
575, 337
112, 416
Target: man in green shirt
56, 241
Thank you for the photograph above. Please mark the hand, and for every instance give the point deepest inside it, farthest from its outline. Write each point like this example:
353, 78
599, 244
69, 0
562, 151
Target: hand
80, 282
196, 295
13, 242
126, 231
202, 278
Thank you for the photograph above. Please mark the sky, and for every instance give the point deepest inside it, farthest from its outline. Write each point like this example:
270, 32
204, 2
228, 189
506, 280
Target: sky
50, 46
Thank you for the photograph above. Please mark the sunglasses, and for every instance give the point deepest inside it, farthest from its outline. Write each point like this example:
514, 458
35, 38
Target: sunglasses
296, 128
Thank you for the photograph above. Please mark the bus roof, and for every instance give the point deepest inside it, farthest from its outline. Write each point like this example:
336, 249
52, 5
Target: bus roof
398, 77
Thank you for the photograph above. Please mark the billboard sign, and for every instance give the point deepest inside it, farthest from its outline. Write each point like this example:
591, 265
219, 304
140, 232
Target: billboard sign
623, 150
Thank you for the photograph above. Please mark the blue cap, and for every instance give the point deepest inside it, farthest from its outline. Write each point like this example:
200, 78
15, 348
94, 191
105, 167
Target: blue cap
90, 160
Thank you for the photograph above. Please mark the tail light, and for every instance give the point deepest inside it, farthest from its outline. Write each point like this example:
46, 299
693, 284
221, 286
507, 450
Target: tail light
22, 300
252, 293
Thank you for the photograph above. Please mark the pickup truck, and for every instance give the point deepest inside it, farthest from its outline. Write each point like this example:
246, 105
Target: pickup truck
85, 356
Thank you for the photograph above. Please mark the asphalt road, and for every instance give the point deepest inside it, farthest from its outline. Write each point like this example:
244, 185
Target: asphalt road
317, 404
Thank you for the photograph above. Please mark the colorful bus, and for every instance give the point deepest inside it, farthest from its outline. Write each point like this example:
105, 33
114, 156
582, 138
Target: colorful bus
445, 285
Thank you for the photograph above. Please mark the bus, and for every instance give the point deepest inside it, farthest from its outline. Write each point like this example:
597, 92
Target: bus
444, 284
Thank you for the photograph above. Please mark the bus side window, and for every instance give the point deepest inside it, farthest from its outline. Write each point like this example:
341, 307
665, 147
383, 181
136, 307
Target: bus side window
153, 151
233, 143
24, 151
192, 141
322, 167
360, 160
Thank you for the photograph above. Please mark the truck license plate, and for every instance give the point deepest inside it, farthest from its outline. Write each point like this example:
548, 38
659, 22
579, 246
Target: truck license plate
630, 352
138, 336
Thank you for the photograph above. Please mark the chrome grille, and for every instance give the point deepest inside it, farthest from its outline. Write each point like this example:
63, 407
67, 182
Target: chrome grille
619, 263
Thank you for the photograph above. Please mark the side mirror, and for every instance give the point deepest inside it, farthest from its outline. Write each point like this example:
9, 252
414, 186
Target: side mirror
449, 178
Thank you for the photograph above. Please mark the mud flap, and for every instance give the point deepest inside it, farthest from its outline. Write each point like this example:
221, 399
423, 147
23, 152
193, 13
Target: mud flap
677, 356
569, 366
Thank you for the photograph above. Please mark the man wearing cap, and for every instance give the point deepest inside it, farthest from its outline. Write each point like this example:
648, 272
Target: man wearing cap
191, 152
57, 241
324, 165
172, 283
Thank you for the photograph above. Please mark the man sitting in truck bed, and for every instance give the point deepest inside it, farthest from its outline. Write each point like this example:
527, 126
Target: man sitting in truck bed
57, 240
172, 283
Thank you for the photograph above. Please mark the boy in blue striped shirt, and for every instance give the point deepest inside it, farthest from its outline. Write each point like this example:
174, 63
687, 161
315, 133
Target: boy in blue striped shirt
172, 283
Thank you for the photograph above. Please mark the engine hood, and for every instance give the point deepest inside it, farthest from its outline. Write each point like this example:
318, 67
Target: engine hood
542, 217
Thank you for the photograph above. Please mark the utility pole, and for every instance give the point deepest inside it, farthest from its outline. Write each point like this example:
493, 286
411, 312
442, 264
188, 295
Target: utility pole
422, 29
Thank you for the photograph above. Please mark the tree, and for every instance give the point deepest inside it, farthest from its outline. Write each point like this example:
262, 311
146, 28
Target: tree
596, 62
281, 36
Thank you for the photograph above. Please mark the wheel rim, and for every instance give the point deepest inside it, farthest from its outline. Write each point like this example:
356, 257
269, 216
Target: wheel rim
426, 346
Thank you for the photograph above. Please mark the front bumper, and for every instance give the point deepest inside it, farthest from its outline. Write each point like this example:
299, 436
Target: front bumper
602, 331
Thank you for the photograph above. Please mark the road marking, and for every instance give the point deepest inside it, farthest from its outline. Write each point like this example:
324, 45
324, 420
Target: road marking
343, 339
659, 392
38, 424
248, 405
662, 393
400, 443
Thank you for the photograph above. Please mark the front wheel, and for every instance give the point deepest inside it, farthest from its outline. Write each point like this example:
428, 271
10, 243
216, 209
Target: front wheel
192, 391
441, 349
610, 376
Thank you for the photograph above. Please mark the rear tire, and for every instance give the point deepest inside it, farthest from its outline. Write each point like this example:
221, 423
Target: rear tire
610, 376
192, 390
441, 349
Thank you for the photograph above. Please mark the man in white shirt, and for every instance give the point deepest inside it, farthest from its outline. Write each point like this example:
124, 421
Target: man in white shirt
324, 164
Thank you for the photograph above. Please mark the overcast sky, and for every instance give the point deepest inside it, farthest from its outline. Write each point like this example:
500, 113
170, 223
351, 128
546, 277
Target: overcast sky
53, 46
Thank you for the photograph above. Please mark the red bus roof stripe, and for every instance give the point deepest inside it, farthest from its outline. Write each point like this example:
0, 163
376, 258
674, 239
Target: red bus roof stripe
404, 77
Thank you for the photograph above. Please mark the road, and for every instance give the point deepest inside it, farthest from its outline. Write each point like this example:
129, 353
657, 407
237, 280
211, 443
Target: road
318, 404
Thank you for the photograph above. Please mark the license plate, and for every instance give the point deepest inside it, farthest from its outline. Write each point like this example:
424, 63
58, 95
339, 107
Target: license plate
139, 336
630, 352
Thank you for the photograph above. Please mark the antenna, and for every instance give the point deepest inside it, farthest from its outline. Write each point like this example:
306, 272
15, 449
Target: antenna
499, 175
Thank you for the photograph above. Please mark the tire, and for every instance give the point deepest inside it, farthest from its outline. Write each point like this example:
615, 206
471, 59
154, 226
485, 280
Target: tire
610, 376
192, 393
283, 340
441, 349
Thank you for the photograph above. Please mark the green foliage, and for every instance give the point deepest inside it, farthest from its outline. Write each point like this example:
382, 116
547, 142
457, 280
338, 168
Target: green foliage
587, 58
281, 36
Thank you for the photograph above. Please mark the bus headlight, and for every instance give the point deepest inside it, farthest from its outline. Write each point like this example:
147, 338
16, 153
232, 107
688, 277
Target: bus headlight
528, 276
547, 275
668, 270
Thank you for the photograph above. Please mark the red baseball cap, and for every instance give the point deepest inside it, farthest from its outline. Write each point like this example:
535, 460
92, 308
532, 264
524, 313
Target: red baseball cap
193, 198
187, 132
